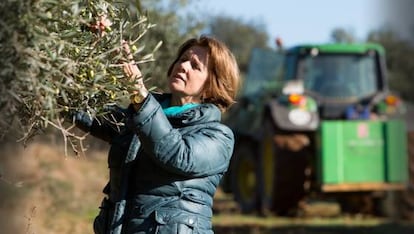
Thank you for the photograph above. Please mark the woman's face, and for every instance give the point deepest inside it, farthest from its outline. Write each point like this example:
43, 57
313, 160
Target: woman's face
189, 74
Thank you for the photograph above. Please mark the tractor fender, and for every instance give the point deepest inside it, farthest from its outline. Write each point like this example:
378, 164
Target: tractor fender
280, 116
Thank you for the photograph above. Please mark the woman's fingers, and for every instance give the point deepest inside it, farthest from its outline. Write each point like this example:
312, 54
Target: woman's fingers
132, 70
127, 50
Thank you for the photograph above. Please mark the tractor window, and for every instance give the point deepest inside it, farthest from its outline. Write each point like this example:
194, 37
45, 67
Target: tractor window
264, 72
340, 75
291, 67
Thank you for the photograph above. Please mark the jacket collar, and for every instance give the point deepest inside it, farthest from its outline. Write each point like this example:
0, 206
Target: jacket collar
203, 113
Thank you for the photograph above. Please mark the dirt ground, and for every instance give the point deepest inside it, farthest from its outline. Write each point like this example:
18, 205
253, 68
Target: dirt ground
44, 192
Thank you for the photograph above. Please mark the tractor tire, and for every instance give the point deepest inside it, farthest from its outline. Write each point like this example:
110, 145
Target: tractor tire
243, 176
266, 170
281, 174
389, 206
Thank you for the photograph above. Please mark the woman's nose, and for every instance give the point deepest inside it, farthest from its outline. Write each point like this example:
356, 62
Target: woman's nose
184, 66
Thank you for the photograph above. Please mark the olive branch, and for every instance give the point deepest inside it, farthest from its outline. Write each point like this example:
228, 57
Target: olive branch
61, 57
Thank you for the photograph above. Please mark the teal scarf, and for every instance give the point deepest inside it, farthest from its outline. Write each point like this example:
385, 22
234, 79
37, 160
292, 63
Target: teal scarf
174, 110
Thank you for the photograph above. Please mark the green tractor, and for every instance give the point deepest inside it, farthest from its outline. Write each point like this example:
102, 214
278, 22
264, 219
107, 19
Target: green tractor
316, 121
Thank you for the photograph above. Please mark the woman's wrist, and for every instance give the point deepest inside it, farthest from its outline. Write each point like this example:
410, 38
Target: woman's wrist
138, 97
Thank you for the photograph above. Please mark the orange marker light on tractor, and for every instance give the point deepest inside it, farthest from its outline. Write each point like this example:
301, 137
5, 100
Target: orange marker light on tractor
295, 99
391, 100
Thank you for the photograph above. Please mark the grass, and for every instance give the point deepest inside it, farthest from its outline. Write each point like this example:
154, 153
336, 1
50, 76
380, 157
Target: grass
269, 222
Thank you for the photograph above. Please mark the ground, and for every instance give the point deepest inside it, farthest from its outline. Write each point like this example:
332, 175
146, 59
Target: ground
47, 192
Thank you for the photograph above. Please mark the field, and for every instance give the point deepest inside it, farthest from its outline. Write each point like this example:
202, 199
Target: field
44, 192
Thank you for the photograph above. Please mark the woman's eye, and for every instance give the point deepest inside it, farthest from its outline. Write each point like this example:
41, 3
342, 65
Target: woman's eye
195, 66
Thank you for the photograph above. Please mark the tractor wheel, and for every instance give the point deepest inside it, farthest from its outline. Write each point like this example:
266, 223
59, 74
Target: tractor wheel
281, 173
389, 205
266, 171
243, 177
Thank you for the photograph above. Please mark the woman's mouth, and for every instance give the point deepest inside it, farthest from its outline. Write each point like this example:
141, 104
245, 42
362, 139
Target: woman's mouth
178, 77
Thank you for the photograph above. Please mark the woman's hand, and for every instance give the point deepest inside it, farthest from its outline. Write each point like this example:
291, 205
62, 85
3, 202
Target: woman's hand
139, 92
131, 70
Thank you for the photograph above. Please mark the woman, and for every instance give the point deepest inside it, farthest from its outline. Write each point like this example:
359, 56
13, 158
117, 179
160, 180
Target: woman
182, 150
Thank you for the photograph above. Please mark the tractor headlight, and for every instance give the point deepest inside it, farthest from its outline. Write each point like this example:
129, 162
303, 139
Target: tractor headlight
299, 117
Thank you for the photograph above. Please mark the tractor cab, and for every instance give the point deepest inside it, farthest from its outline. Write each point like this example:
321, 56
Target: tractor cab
347, 81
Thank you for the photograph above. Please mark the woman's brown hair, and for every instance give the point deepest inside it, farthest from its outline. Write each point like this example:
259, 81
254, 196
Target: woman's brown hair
223, 72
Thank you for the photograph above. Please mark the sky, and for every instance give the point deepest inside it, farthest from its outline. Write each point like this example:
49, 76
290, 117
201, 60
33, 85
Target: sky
303, 21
